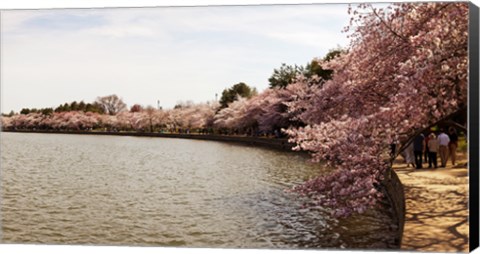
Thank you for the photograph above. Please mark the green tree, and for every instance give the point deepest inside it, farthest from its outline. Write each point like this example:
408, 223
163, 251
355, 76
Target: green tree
74, 106
59, 109
66, 107
314, 68
95, 108
9, 114
241, 89
46, 111
81, 106
287, 74
63, 107
284, 75
25, 111
333, 53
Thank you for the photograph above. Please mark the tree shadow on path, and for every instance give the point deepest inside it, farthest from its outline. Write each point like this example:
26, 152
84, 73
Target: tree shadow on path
436, 209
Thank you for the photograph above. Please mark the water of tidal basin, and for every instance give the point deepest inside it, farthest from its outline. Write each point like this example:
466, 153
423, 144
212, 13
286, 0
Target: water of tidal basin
110, 190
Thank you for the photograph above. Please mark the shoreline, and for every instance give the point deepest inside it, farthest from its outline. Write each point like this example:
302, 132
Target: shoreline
275, 143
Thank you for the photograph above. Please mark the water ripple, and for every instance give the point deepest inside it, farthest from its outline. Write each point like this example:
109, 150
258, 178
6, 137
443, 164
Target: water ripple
76, 189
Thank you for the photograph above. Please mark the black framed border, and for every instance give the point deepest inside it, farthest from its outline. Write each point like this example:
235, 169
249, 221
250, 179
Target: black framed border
473, 115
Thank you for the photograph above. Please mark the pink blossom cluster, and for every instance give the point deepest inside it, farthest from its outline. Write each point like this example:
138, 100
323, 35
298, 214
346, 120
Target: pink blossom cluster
74, 120
149, 119
405, 70
265, 112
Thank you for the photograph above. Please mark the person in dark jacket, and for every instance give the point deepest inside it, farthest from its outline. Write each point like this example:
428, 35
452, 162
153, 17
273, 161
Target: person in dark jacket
426, 148
418, 149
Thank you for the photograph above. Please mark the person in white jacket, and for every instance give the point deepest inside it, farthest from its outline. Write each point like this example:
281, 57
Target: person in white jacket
409, 156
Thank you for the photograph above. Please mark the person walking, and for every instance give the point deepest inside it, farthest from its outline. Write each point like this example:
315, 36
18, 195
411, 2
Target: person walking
443, 141
418, 148
453, 144
409, 156
432, 150
426, 148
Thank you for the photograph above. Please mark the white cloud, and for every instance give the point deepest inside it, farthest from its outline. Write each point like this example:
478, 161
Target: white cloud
146, 54
12, 20
122, 31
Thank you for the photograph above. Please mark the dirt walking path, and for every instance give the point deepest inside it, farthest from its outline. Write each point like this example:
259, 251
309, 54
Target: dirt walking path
436, 208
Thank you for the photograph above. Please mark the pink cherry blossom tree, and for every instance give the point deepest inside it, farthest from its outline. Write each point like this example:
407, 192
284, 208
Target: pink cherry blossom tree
189, 116
405, 70
275, 113
108, 122
201, 115
18, 121
6, 122
234, 117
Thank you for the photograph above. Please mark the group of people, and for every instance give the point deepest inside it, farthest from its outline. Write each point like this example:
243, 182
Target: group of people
425, 149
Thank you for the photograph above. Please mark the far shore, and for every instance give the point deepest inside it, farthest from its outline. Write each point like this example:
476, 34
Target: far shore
271, 142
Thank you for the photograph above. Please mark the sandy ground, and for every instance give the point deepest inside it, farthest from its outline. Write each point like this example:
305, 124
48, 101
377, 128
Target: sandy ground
436, 207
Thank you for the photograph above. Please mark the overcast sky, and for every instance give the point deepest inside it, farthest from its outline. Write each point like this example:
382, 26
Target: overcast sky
170, 54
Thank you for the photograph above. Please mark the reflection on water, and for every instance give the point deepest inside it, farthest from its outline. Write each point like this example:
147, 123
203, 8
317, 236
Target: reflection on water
81, 189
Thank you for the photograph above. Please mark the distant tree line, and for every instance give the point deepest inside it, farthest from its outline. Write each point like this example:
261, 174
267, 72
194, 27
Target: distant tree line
80, 106
110, 104
240, 109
